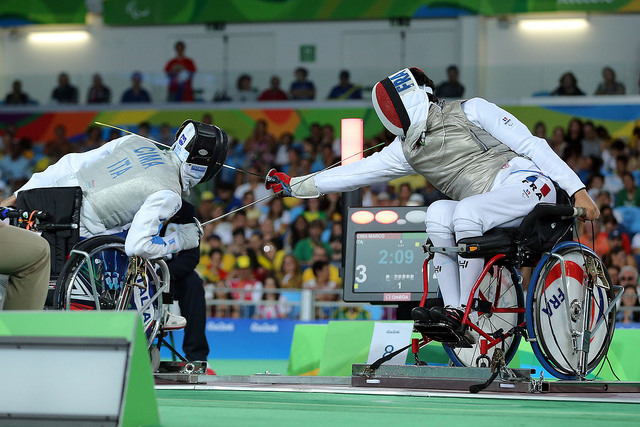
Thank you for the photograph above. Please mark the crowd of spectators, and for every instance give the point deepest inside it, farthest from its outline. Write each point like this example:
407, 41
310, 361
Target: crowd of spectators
257, 256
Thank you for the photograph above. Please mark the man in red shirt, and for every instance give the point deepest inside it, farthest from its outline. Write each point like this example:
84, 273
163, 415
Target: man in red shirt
274, 93
180, 71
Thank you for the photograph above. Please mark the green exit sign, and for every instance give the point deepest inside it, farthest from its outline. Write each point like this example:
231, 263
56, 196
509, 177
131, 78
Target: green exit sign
307, 53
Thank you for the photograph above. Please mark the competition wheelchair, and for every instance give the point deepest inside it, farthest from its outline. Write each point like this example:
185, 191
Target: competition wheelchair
96, 273
569, 312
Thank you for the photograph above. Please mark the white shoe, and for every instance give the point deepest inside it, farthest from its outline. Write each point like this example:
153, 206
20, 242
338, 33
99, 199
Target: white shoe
173, 322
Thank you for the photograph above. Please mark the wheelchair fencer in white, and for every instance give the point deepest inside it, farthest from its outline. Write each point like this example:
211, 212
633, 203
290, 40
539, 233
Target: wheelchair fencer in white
481, 156
129, 184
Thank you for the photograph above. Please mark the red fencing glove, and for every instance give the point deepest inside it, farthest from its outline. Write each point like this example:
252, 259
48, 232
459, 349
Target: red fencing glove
278, 182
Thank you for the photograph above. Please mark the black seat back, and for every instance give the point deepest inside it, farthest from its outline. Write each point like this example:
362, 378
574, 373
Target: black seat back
63, 204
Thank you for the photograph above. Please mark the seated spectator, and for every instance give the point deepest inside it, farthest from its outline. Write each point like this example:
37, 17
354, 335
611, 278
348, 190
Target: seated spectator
345, 89
613, 182
16, 96
323, 286
98, 93
290, 273
273, 305
238, 245
272, 250
609, 155
274, 92
92, 140
320, 253
540, 130
304, 248
136, 93
57, 147
226, 198
276, 212
557, 141
568, 86
167, 135
212, 271
210, 244
609, 85
315, 209
223, 227
15, 166
205, 206
302, 88
629, 311
244, 91
65, 92
591, 143
629, 195
594, 185
244, 285
255, 184
451, 88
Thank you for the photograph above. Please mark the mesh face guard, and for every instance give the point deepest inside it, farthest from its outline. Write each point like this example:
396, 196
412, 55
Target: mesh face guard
400, 103
202, 149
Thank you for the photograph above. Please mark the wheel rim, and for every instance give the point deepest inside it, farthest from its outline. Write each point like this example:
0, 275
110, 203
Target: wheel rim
501, 288
110, 263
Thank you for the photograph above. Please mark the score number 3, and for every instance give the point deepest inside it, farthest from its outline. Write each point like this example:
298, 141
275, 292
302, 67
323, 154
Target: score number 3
361, 273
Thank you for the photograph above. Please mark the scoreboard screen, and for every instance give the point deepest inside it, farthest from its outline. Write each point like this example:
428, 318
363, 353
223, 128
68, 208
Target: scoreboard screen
384, 258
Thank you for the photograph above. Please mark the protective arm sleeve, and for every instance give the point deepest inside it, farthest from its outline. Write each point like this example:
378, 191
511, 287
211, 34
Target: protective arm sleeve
144, 238
385, 165
513, 133
68, 165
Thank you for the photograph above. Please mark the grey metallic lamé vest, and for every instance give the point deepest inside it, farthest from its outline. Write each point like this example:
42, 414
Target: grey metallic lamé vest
117, 185
458, 158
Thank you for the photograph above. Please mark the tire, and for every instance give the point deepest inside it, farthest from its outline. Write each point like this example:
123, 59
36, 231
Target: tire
551, 314
501, 287
110, 262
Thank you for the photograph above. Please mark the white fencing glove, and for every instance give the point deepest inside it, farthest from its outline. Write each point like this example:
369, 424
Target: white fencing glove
187, 236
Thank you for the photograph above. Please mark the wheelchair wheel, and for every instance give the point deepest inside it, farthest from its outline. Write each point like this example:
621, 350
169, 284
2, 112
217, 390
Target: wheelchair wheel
554, 311
108, 268
500, 293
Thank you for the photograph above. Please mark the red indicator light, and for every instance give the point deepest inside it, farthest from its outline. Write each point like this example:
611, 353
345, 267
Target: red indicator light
386, 217
362, 217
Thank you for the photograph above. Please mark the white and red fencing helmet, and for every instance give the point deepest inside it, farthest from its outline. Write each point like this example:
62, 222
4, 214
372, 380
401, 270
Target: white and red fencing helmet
401, 104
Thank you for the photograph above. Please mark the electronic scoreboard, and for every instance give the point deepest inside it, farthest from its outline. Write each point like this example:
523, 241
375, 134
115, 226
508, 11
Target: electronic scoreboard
383, 255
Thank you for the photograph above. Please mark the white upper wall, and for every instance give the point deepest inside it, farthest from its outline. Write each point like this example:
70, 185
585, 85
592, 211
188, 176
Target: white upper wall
519, 63
496, 60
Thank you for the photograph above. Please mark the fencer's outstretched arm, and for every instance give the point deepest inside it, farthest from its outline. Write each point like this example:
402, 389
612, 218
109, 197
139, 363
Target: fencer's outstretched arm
387, 164
144, 238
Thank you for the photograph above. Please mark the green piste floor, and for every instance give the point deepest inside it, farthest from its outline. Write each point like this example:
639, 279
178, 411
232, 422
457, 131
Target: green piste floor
280, 409
182, 408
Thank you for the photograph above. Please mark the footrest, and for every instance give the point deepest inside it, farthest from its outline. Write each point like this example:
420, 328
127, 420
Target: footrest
444, 333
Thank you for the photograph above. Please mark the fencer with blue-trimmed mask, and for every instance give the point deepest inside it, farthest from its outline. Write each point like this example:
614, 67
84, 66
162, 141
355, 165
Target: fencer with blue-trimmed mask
132, 184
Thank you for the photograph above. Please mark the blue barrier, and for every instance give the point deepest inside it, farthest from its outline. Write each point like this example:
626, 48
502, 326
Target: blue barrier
245, 338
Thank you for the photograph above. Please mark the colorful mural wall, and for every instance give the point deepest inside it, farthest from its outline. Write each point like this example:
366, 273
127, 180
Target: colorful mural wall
39, 125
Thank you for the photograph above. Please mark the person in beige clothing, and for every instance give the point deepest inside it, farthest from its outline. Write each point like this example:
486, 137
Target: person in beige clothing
26, 260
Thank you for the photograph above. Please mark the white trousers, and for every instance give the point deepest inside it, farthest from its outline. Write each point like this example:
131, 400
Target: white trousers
514, 193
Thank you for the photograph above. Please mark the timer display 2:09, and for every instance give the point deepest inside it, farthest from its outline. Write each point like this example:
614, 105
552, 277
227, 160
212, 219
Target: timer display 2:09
388, 262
